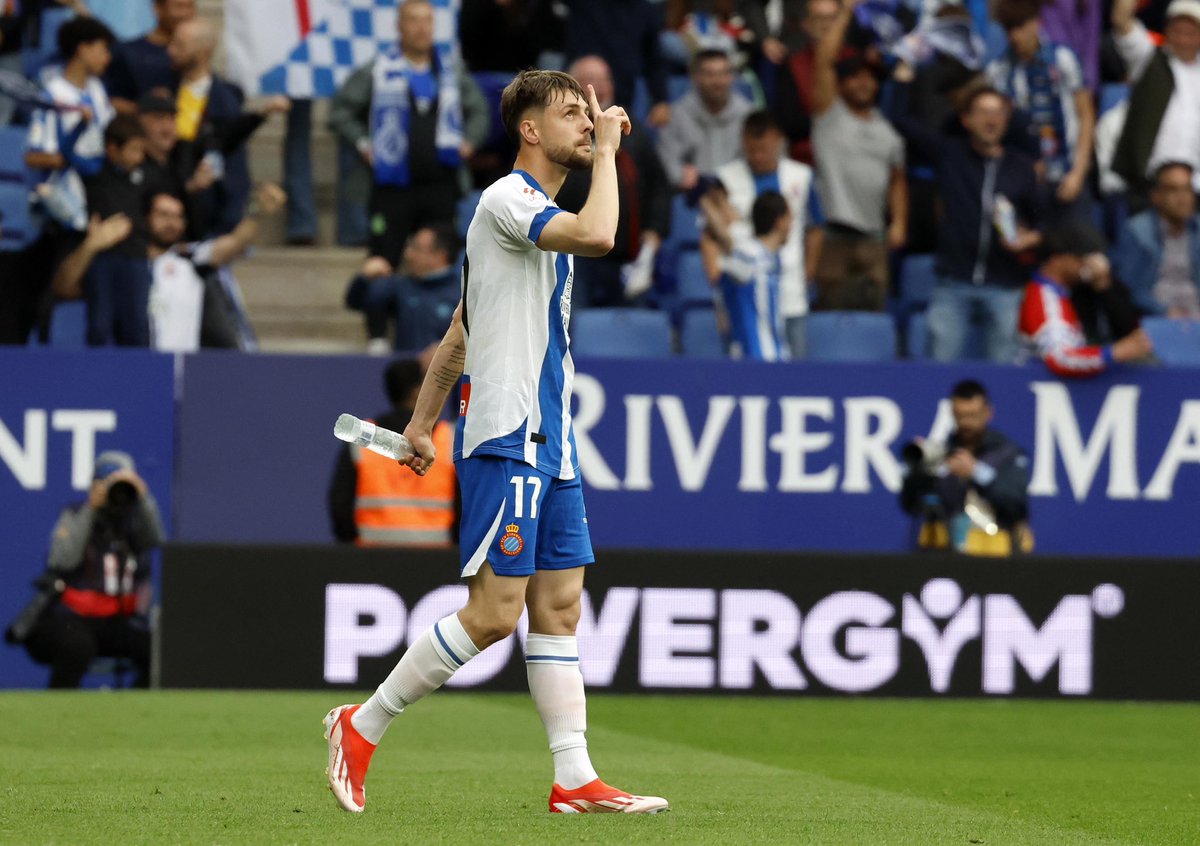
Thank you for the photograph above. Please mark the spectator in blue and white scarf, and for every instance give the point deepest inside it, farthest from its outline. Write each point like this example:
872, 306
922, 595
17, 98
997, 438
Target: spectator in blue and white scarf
1046, 81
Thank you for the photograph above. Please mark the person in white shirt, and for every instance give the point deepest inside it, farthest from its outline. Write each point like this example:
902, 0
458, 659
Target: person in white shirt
1163, 121
194, 300
182, 305
524, 535
69, 145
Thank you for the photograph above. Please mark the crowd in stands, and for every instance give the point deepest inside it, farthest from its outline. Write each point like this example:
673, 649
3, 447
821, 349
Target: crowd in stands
943, 179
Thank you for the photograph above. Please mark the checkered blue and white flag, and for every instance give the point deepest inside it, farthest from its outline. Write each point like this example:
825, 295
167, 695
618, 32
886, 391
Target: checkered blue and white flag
307, 48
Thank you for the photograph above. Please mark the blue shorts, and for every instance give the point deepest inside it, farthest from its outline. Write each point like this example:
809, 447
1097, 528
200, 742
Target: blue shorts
519, 519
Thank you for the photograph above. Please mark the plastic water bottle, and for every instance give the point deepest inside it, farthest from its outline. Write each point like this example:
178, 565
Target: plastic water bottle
375, 438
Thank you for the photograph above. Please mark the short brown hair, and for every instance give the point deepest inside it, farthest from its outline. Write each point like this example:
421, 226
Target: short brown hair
1011, 14
533, 89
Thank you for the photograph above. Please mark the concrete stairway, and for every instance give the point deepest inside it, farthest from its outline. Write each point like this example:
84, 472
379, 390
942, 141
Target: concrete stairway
294, 294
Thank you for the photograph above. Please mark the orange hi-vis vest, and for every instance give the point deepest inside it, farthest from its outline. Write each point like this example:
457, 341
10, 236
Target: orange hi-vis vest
394, 506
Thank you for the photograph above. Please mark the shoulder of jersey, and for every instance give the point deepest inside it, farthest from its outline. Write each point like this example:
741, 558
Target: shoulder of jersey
514, 184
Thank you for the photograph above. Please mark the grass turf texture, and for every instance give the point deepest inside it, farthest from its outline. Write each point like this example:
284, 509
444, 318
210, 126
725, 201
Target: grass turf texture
248, 768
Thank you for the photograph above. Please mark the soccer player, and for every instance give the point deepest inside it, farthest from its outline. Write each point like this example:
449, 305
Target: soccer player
524, 535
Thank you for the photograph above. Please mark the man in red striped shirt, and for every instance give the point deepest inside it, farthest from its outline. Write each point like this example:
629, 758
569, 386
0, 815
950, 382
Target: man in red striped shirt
1073, 255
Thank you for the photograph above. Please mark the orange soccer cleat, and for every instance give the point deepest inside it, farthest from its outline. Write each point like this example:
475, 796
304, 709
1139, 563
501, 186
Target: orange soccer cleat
596, 797
349, 756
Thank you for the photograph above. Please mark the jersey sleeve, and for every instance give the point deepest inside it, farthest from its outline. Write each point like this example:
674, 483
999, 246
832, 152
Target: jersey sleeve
518, 213
741, 262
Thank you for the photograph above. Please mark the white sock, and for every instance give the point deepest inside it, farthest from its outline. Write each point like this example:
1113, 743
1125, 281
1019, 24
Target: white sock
556, 685
425, 666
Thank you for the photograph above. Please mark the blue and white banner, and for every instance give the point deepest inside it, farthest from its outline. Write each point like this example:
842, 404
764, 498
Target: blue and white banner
307, 48
58, 411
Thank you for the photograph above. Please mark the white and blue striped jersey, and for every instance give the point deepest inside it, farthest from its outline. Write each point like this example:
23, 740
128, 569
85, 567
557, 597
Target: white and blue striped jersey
750, 287
516, 391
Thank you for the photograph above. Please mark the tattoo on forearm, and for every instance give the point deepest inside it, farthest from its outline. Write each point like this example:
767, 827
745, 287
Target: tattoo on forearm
447, 374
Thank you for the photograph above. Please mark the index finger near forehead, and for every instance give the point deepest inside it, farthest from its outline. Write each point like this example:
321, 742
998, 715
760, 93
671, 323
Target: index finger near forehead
593, 103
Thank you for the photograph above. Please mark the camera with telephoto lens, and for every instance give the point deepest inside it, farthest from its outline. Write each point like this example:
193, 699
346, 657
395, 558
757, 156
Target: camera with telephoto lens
121, 495
923, 455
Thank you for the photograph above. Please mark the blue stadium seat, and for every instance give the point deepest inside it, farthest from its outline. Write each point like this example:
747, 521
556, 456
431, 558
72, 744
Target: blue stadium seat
851, 336
17, 229
621, 333
68, 325
691, 282
465, 211
1176, 342
35, 59
916, 340
685, 223
698, 335
917, 280
1112, 94
12, 154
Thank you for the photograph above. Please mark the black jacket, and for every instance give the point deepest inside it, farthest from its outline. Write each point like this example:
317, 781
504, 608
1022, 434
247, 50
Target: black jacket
1007, 493
113, 191
967, 242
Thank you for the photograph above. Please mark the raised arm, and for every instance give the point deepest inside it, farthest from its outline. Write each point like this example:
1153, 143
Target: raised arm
593, 230
228, 248
1132, 40
825, 57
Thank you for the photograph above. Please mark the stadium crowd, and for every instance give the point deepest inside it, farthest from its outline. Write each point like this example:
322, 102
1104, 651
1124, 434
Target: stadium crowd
940, 179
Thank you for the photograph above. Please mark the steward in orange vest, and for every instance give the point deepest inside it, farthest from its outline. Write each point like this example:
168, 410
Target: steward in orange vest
373, 501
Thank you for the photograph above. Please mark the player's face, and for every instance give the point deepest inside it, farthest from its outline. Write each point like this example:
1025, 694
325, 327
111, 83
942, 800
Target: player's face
971, 417
416, 27
566, 132
166, 222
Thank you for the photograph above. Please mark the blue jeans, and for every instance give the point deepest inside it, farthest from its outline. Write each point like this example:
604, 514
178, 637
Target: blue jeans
796, 329
117, 288
297, 172
958, 308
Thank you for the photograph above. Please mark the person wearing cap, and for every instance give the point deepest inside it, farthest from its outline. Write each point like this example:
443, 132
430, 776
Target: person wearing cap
1045, 80
860, 175
1163, 123
100, 553
1072, 256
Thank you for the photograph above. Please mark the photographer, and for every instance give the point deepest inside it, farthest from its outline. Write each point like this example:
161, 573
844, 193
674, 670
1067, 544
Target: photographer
100, 566
971, 491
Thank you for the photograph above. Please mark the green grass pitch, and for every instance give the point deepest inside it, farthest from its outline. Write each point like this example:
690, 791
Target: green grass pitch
222, 768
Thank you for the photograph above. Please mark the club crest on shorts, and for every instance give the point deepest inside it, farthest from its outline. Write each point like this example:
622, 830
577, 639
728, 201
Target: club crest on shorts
512, 543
